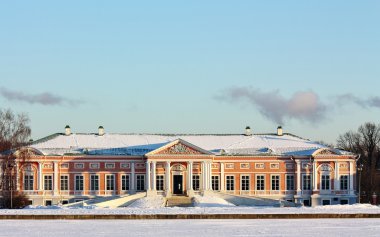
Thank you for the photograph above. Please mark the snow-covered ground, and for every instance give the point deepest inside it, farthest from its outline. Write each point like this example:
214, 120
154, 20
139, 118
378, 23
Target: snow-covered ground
220, 228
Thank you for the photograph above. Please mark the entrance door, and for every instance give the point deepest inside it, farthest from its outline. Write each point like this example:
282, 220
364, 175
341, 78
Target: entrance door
177, 184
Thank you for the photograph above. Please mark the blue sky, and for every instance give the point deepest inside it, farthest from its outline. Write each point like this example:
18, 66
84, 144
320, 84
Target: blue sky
192, 66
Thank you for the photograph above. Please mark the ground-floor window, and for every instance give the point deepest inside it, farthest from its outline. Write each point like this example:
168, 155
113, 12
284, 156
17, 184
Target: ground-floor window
28, 182
326, 202
64, 182
48, 182
125, 182
215, 182
110, 182
260, 182
343, 201
140, 182
306, 202
48, 203
325, 182
160, 183
196, 182
245, 182
306, 182
289, 182
94, 182
65, 202
79, 182
275, 180
230, 182
344, 182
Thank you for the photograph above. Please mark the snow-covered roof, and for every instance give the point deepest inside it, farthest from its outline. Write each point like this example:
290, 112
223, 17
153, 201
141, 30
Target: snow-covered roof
140, 144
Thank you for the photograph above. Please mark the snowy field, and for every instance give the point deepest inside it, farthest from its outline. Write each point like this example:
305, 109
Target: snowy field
202, 205
220, 228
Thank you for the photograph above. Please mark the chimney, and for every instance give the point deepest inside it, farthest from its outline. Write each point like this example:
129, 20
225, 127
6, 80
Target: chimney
67, 130
279, 131
100, 131
248, 131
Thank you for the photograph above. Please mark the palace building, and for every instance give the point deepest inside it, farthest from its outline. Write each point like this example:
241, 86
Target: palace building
68, 167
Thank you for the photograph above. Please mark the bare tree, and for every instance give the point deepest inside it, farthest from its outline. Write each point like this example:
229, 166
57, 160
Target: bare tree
14, 134
366, 142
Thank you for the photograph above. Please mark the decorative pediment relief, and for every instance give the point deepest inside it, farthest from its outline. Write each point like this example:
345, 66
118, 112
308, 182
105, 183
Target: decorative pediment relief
324, 151
325, 168
180, 148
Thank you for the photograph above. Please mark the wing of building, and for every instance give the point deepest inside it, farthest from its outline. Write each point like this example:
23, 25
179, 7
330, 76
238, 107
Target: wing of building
67, 167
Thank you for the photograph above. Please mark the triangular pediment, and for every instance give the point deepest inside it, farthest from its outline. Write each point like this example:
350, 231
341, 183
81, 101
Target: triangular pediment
325, 151
179, 147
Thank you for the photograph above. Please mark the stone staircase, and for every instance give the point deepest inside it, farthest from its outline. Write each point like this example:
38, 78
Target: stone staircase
179, 201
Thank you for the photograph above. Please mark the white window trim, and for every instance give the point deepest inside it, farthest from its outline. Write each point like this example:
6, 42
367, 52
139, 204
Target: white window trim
286, 182
121, 182
136, 175
259, 168
91, 168
91, 182
114, 182
234, 179
52, 182
108, 163
241, 182
265, 186
75, 183
320, 181
245, 168
218, 180
325, 199
229, 168
311, 182
276, 164
68, 181
163, 180
75, 166
279, 182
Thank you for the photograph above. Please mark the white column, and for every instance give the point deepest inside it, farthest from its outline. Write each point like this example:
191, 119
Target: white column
221, 176
147, 178
351, 177
17, 176
209, 174
203, 174
190, 176
315, 186
133, 189
336, 180
55, 178
40, 187
167, 178
154, 175
298, 177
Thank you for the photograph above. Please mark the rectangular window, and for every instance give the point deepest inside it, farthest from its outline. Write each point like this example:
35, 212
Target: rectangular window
306, 182
230, 182
260, 182
325, 182
64, 182
196, 182
110, 165
79, 183
215, 182
28, 182
140, 182
160, 183
275, 182
245, 182
289, 182
94, 182
48, 182
110, 182
344, 182
125, 182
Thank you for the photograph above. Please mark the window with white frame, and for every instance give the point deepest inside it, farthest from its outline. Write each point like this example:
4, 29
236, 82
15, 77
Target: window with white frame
125, 182
289, 182
94, 165
94, 182
48, 182
110, 182
28, 182
215, 182
79, 183
110, 165
275, 182
306, 182
325, 182
260, 182
196, 182
344, 182
64, 182
230, 182
160, 183
79, 166
245, 182
140, 182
